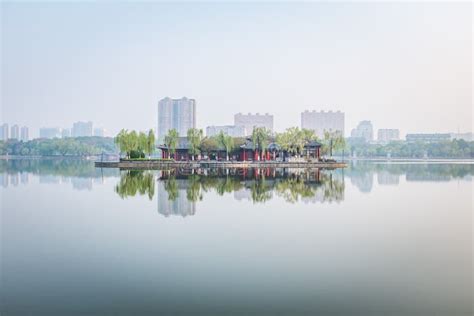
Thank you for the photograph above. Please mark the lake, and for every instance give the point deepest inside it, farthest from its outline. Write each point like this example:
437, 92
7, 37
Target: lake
374, 238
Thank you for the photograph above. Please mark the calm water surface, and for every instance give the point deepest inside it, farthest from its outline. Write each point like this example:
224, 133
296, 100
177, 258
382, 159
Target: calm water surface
375, 238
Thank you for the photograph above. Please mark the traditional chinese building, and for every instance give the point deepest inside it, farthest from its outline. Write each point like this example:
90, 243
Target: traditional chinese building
246, 152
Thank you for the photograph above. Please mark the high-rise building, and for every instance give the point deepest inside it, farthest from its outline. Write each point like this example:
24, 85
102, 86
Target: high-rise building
249, 121
4, 132
15, 132
321, 121
66, 132
24, 134
364, 130
178, 114
99, 132
81, 129
231, 130
50, 132
386, 135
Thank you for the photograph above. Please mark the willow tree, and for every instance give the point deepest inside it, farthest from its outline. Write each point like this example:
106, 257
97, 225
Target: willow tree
150, 143
226, 142
121, 143
171, 141
132, 141
260, 136
308, 135
195, 137
142, 142
333, 141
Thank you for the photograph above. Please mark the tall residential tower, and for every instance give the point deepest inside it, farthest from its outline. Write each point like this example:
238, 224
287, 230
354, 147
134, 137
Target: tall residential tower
178, 114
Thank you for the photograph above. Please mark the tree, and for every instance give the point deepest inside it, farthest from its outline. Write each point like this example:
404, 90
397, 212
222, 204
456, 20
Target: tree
142, 142
226, 142
121, 142
171, 141
209, 144
333, 141
194, 139
150, 143
260, 136
308, 135
292, 140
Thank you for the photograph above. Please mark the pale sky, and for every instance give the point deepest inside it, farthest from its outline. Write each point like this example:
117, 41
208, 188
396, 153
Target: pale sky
404, 65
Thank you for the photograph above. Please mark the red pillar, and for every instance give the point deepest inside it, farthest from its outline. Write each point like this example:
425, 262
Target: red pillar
268, 155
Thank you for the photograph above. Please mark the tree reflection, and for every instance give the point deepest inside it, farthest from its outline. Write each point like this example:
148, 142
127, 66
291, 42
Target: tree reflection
135, 182
259, 185
261, 190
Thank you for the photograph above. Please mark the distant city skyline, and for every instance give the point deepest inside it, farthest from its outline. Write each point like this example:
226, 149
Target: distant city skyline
415, 76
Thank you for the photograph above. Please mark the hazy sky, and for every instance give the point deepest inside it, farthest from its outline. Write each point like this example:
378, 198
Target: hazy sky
406, 66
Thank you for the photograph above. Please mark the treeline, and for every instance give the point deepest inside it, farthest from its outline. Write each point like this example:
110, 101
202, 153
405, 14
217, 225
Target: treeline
456, 148
78, 146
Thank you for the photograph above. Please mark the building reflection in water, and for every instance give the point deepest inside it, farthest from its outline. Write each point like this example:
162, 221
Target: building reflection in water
174, 198
387, 178
81, 183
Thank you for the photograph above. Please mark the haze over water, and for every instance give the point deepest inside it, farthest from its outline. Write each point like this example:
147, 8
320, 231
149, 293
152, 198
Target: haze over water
375, 238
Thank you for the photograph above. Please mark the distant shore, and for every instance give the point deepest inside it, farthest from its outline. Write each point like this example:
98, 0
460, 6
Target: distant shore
345, 160
418, 160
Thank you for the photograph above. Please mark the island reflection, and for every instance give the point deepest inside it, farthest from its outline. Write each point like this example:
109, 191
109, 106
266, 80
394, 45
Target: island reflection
179, 190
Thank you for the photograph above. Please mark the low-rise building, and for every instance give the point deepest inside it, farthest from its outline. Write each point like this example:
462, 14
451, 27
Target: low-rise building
364, 130
99, 132
66, 132
428, 138
50, 132
468, 137
386, 135
82, 129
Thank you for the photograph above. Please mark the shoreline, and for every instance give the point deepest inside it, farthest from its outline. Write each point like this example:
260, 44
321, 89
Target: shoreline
145, 164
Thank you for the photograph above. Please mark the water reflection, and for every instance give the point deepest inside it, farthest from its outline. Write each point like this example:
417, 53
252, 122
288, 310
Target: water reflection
81, 174
134, 182
178, 190
259, 186
362, 173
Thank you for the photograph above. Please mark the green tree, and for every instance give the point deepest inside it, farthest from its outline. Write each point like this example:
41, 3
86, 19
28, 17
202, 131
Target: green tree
150, 143
226, 142
260, 136
171, 141
142, 142
334, 141
194, 139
